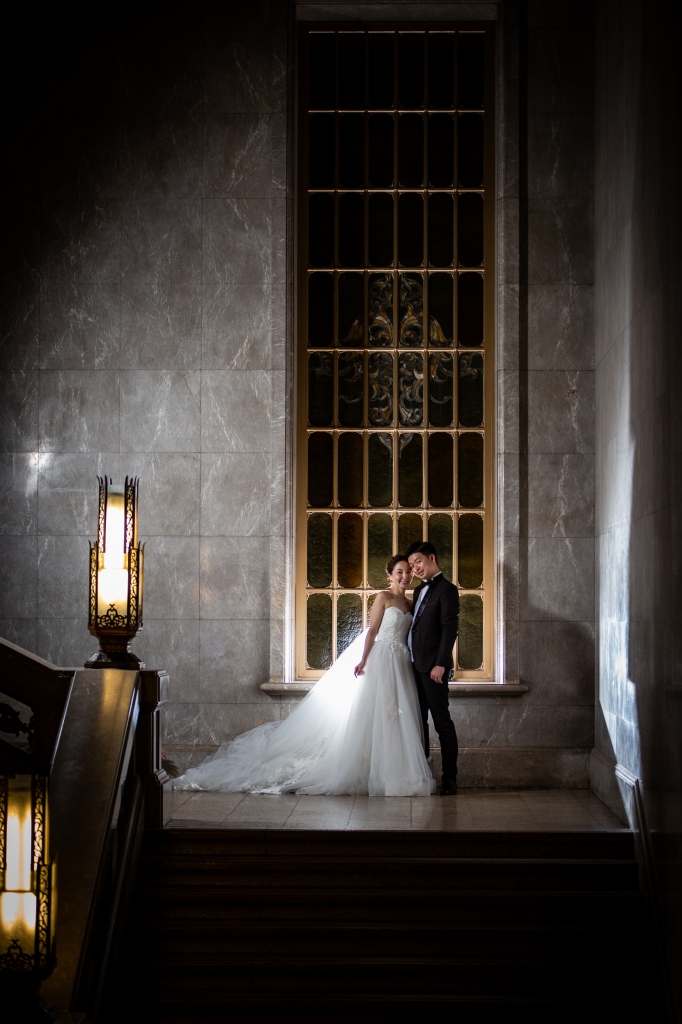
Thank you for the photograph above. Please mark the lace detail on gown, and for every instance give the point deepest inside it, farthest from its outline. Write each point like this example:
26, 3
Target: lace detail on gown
347, 735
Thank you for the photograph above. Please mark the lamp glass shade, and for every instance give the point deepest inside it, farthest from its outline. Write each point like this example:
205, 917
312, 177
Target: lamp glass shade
112, 583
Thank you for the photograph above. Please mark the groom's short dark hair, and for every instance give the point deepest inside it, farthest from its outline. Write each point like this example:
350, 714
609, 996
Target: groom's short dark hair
424, 547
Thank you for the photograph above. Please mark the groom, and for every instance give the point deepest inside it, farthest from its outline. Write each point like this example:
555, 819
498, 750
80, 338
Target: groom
430, 640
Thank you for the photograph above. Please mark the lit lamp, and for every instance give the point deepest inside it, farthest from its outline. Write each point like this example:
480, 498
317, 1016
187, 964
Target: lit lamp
27, 882
116, 576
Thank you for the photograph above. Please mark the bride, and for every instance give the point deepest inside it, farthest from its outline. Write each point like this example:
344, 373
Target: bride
358, 731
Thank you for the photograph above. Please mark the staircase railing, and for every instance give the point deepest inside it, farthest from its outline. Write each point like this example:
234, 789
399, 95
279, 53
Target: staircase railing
96, 733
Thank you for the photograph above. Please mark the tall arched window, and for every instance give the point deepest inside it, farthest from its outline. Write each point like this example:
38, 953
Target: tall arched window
395, 325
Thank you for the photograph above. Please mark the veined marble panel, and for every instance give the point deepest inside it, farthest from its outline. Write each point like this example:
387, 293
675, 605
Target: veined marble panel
161, 284
171, 578
19, 494
80, 326
236, 411
79, 411
236, 284
560, 411
235, 494
559, 580
235, 659
561, 495
235, 578
161, 156
160, 410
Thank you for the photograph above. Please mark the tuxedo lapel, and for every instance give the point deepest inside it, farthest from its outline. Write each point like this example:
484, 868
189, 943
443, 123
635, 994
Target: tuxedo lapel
426, 598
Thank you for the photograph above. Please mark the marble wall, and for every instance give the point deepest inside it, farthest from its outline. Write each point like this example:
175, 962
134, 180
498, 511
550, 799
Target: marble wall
146, 327
545, 373
143, 332
639, 428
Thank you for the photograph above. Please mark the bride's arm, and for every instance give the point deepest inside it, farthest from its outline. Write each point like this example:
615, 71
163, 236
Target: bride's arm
375, 617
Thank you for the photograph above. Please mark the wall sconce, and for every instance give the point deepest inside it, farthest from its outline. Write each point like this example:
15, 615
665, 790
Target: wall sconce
116, 576
27, 881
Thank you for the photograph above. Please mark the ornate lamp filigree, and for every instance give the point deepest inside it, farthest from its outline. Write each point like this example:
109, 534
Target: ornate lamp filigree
27, 880
116, 576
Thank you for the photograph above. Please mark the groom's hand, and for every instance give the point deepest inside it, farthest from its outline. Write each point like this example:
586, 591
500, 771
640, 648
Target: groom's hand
437, 673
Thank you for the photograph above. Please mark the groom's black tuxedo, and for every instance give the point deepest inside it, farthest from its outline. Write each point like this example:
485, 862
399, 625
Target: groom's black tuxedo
434, 629
433, 635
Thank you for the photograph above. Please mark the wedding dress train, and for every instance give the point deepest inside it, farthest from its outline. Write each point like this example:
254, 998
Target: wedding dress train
348, 735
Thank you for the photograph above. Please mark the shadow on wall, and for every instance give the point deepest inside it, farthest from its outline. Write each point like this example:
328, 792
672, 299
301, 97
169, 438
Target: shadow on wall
639, 719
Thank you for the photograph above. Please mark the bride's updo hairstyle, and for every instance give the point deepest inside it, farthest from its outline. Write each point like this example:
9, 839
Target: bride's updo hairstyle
392, 562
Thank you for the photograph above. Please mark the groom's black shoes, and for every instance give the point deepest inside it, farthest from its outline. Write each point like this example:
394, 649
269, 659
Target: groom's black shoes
448, 787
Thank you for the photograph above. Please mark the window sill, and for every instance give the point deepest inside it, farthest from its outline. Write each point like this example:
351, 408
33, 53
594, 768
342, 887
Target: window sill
301, 687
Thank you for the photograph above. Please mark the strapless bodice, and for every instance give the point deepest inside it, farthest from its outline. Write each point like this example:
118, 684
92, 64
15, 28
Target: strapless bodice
394, 627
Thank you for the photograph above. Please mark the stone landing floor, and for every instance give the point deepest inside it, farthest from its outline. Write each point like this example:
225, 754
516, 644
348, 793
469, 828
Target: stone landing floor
471, 810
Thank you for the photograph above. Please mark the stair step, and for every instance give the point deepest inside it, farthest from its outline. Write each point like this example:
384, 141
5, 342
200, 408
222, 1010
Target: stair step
499, 907
209, 979
438, 941
441, 874
365, 843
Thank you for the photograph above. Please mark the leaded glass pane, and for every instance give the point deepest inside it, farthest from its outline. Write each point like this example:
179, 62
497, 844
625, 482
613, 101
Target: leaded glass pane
320, 470
351, 229
321, 65
320, 310
440, 310
348, 620
441, 471
381, 129
349, 550
441, 150
470, 551
381, 57
441, 229
381, 310
380, 476
411, 310
470, 647
351, 330
320, 389
410, 470
321, 230
471, 389
470, 470
380, 240
351, 150
470, 53
470, 150
319, 550
321, 151
441, 375
411, 69
351, 61
470, 230
410, 229
350, 470
379, 547
319, 631
411, 389
470, 310
410, 529
380, 377
440, 535
411, 150
351, 393
441, 69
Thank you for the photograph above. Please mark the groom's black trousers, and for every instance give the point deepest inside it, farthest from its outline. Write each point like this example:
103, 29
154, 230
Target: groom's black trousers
433, 697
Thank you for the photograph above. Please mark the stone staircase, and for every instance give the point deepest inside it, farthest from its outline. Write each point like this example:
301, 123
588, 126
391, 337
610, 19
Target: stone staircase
325, 926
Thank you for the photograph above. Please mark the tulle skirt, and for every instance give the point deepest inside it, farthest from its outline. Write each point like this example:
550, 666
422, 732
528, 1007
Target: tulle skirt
348, 735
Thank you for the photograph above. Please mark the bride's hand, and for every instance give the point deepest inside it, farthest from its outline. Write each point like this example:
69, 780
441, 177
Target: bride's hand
359, 669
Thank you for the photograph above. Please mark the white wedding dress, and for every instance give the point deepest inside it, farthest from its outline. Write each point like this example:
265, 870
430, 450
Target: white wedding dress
348, 735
